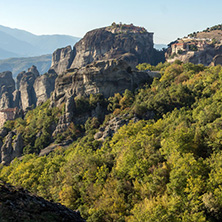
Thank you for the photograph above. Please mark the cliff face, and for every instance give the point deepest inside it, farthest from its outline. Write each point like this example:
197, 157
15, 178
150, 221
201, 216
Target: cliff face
61, 60
197, 48
130, 43
106, 77
25, 82
43, 86
32, 89
7, 87
205, 56
104, 43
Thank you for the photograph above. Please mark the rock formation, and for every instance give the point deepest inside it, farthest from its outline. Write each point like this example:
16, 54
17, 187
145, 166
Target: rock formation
61, 60
7, 87
112, 126
105, 77
197, 48
43, 86
12, 146
32, 89
25, 84
17, 204
126, 42
205, 56
66, 118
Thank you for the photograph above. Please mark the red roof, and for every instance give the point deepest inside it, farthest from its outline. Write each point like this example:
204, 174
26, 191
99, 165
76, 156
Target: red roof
9, 110
178, 44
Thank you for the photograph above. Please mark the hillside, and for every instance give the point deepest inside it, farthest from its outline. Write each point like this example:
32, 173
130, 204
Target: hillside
16, 205
214, 32
21, 43
7, 54
17, 65
155, 156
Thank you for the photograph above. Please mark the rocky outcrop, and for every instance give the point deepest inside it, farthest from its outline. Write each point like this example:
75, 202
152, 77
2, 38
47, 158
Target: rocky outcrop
105, 77
7, 87
25, 84
112, 126
33, 89
11, 148
108, 43
43, 86
205, 56
126, 42
61, 60
66, 118
17, 204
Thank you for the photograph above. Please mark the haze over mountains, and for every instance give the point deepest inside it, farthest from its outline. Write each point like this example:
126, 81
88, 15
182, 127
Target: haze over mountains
20, 43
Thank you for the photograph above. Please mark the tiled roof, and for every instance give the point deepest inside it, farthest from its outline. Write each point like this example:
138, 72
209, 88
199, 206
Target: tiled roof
9, 110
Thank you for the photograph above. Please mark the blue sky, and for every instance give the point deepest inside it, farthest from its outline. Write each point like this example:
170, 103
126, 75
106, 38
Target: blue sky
167, 19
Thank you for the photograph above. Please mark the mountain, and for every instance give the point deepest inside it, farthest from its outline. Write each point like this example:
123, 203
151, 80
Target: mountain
5, 53
160, 46
17, 65
20, 43
118, 41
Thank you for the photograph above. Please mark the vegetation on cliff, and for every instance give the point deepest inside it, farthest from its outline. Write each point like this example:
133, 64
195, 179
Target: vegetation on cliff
163, 169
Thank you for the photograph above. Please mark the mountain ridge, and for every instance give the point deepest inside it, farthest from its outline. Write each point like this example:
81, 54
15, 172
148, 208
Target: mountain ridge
17, 65
26, 44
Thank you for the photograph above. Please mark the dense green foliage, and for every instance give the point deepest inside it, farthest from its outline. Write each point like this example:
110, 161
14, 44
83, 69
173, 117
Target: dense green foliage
36, 127
168, 168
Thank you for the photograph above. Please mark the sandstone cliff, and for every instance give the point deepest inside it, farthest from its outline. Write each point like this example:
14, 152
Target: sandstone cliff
61, 60
127, 42
43, 87
25, 83
11, 147
7, 87
205, 56
105, 77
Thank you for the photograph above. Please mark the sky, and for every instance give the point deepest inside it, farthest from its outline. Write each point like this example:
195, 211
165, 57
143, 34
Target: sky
169, 19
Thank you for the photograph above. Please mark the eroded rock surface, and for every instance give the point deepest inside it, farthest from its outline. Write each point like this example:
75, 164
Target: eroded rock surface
126, 42
7, 87
17, 204
61, 60
105, 77
11, 148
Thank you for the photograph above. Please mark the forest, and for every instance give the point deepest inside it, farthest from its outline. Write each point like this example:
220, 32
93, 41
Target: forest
164, 168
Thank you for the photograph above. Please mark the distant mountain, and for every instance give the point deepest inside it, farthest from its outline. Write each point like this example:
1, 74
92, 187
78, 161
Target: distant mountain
7, 54
160, 46
20, 43
17, 65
